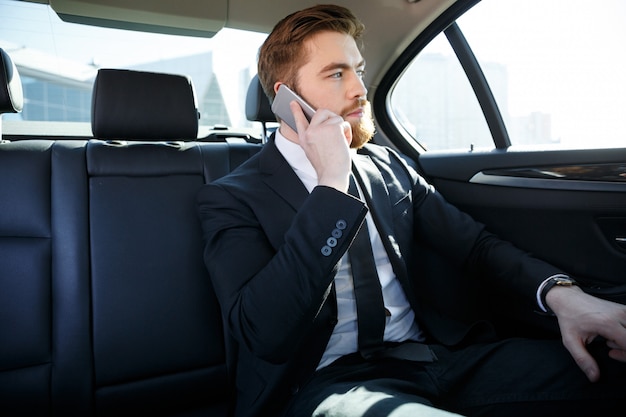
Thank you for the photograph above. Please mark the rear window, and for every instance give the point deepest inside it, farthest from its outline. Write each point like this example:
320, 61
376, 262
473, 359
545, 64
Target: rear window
58, 62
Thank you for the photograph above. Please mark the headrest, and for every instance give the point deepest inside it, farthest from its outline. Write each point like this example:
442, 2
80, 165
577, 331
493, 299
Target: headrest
11, 95
139, 105
258, 108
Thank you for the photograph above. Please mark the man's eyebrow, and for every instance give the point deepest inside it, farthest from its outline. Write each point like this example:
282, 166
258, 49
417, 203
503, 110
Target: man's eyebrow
340, 65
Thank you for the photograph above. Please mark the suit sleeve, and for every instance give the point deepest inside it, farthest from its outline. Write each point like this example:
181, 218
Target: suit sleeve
467, 243
270, 295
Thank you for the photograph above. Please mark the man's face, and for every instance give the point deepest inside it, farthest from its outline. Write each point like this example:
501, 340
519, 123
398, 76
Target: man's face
332, 78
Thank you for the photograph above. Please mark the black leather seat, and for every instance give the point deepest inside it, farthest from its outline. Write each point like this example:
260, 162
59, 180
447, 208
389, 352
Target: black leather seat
44, 272
105, 304
138, 105
11, 96
258, 107
157, 333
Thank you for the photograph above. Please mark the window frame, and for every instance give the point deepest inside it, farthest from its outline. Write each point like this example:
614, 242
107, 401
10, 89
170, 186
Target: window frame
381, 101
480, 86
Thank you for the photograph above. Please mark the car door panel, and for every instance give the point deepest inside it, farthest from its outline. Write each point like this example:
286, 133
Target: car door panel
576, 222
577, 225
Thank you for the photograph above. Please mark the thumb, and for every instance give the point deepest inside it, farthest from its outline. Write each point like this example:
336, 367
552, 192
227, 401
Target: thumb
347, 131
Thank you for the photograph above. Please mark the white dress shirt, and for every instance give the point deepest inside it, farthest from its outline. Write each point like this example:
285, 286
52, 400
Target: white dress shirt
400, 325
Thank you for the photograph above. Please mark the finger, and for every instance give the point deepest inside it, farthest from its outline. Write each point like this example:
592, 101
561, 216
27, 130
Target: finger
298, 114
613, 345
618, 354
583, 359
616, 351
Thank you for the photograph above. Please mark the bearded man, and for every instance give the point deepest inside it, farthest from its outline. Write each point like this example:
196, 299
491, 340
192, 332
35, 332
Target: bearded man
311, 248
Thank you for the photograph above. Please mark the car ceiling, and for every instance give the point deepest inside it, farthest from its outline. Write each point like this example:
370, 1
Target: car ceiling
390, 24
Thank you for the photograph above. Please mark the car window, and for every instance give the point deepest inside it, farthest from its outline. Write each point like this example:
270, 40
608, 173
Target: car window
58, 62
556, 70
435, 104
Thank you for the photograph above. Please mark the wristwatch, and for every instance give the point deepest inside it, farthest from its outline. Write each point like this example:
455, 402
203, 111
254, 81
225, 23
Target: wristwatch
560, 280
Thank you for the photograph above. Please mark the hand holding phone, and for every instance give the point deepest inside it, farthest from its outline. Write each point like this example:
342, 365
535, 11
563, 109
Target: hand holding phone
328, 152
280, 106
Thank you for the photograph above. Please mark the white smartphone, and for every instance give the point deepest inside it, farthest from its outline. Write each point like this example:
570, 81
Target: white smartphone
280, 106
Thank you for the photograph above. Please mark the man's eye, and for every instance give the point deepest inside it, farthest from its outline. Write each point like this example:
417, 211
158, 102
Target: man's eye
360, 73
336, 75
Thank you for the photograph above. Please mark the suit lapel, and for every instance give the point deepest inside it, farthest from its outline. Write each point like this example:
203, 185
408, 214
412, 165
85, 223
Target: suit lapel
379, 202
279, 176
376, 193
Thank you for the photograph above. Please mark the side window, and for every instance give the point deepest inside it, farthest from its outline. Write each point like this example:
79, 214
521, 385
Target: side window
435, 104
556, 70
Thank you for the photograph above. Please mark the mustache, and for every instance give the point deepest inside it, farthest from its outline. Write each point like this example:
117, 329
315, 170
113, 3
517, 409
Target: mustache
361, 103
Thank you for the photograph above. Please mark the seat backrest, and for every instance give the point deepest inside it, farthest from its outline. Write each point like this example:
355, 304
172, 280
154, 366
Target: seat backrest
25, 276
45, 351
105, 304
156, 325
157, 333
44, 270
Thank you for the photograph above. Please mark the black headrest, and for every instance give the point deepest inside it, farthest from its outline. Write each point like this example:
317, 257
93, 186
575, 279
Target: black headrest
258, 108
139, 105
11, 95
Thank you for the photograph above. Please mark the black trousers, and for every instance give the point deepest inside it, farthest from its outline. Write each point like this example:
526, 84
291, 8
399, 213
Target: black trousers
515, 377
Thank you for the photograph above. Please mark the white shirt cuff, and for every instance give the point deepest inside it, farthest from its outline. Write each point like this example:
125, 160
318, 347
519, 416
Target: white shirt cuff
542, 307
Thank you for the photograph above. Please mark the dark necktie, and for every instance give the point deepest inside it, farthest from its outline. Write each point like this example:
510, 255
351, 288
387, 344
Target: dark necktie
369, 298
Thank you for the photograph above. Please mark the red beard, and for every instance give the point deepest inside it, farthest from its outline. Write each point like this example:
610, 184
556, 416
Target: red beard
363, 130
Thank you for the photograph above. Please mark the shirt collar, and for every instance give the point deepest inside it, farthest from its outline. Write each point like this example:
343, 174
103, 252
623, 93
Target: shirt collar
297, 160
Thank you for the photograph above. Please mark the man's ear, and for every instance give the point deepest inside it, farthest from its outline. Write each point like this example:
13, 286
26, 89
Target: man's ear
277, 86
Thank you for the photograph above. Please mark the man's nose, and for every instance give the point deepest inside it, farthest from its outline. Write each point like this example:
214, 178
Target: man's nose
357, 87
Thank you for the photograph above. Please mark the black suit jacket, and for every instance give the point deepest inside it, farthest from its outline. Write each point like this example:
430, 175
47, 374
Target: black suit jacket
264, 236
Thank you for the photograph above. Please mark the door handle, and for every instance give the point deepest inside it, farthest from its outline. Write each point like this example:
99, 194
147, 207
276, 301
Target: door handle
614, 230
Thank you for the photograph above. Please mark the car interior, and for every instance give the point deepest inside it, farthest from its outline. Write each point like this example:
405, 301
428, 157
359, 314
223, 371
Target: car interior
106, 307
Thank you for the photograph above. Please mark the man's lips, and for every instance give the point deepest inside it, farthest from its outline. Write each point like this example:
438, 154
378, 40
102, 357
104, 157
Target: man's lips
355, 113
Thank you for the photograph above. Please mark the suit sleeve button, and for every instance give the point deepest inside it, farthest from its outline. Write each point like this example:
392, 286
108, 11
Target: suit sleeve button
341, 224
336, 233
326, 250
331, 241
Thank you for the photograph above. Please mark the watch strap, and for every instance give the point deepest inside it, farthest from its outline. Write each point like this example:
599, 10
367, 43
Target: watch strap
547, 285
